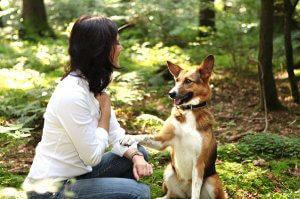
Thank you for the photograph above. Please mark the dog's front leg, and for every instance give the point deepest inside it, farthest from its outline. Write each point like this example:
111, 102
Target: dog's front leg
158, 141
147, 140
197, 179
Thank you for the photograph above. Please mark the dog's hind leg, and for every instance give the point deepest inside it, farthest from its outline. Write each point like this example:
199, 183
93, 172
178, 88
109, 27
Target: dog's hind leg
212, 188
173, 187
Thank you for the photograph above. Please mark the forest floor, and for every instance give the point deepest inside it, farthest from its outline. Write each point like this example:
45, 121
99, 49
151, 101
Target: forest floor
234, 104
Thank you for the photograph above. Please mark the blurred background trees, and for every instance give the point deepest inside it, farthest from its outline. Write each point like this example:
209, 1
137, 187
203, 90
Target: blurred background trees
257, 51
34, 20
265, 55
229, 29
289, 10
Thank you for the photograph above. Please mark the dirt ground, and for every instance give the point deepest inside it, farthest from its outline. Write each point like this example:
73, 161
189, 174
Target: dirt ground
235, 107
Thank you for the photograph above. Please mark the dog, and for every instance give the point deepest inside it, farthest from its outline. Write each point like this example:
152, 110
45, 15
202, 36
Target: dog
188, 132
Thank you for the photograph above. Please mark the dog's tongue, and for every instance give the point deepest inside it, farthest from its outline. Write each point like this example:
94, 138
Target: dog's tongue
177, 101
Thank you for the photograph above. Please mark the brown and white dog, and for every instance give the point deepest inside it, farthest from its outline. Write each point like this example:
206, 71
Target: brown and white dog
188, 131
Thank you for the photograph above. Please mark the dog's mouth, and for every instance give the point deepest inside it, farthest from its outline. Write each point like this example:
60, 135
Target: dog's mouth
180, 100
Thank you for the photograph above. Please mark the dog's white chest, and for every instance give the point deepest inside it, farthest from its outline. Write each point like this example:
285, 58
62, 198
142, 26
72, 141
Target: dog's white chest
187, 145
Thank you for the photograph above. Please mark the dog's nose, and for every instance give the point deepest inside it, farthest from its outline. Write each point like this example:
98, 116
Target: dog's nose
172, 94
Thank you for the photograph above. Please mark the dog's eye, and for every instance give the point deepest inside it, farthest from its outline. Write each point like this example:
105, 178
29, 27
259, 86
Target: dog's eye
187, 81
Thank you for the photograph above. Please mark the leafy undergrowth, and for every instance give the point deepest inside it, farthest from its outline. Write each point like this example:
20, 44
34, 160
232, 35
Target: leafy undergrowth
251, 168
139, 97
241, 176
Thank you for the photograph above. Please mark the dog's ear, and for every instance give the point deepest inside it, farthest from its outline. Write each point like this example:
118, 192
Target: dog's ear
174, 69
206, 67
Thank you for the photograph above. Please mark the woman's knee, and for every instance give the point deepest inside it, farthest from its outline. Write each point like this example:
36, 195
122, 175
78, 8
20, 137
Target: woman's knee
143, 191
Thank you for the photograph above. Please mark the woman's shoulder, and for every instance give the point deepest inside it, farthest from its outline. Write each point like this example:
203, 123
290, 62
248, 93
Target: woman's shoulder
73, 84
71, 88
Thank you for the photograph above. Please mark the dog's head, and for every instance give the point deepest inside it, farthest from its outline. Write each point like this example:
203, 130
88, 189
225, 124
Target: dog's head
191, 86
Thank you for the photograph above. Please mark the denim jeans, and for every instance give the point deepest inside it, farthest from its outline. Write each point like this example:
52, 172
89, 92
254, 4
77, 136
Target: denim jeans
112, 178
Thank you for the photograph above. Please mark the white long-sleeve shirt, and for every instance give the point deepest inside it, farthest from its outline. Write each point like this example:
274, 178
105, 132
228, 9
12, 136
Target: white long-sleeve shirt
72, 142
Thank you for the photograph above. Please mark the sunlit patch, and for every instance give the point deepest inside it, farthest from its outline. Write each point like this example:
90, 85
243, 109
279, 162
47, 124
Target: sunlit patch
235, 175
17, 44
297, 72
158, 55
149, 123
4, 3
41, 186
20, 78
43, 54
10, 192
128, 88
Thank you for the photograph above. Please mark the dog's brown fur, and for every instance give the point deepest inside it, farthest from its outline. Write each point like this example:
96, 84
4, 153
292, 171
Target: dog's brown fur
191, 173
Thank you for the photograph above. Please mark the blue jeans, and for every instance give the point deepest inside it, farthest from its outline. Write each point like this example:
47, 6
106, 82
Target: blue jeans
112, 178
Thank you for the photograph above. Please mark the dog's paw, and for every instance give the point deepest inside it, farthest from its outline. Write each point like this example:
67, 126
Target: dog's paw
164, 197
128, 140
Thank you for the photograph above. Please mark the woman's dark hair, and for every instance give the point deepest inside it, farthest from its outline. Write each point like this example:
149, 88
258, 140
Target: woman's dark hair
91, 42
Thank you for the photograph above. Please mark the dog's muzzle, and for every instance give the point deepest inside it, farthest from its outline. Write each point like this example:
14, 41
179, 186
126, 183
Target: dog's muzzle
172, 94
179, 99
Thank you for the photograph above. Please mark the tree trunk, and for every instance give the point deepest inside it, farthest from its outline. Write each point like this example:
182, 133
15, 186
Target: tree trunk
206, 17
1, 22
288, 9
34, 20
265, 54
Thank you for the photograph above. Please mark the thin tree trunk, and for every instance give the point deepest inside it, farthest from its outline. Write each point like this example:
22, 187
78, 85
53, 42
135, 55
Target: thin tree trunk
1, 22
34, 20
265, 57
288, 7
206, 16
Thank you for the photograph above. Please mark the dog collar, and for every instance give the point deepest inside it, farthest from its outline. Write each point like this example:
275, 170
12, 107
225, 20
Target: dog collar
191, 107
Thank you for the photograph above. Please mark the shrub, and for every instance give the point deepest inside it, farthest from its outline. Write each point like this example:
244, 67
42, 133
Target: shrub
267, 146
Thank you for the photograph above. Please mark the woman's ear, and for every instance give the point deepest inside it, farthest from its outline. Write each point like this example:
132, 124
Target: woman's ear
174, 69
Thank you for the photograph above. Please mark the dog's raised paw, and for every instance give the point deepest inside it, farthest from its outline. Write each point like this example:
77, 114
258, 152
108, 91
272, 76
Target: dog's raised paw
128, 140
164, 197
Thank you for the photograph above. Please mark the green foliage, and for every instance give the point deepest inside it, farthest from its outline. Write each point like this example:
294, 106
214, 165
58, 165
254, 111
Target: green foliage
272, 145
44, 56
239, 179
247, 181
159, 161
27, 107
157, 55
127, 88
9, 179
28, 71
150, 122
155, 183
267, 146
283, 172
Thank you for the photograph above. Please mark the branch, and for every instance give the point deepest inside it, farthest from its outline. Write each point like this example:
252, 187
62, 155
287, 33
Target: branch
263, 91
238, 136
125, 26
294, 7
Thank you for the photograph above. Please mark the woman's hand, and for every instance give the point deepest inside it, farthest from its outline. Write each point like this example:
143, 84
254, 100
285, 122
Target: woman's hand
105, 107
104, 102
141, 167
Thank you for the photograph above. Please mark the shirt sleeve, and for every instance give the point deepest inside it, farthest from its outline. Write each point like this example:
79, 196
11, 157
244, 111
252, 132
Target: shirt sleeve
117, 133
75, 116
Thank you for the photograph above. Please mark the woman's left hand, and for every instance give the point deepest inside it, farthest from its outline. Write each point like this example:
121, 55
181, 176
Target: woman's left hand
141, 167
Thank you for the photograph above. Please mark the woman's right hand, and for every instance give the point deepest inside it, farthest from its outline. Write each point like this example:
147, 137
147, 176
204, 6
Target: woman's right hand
104, 102
105, 107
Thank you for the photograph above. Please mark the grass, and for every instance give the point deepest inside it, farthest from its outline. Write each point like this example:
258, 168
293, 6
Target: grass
28, 72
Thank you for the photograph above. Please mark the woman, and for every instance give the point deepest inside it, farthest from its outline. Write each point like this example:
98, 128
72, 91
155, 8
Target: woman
80, 124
